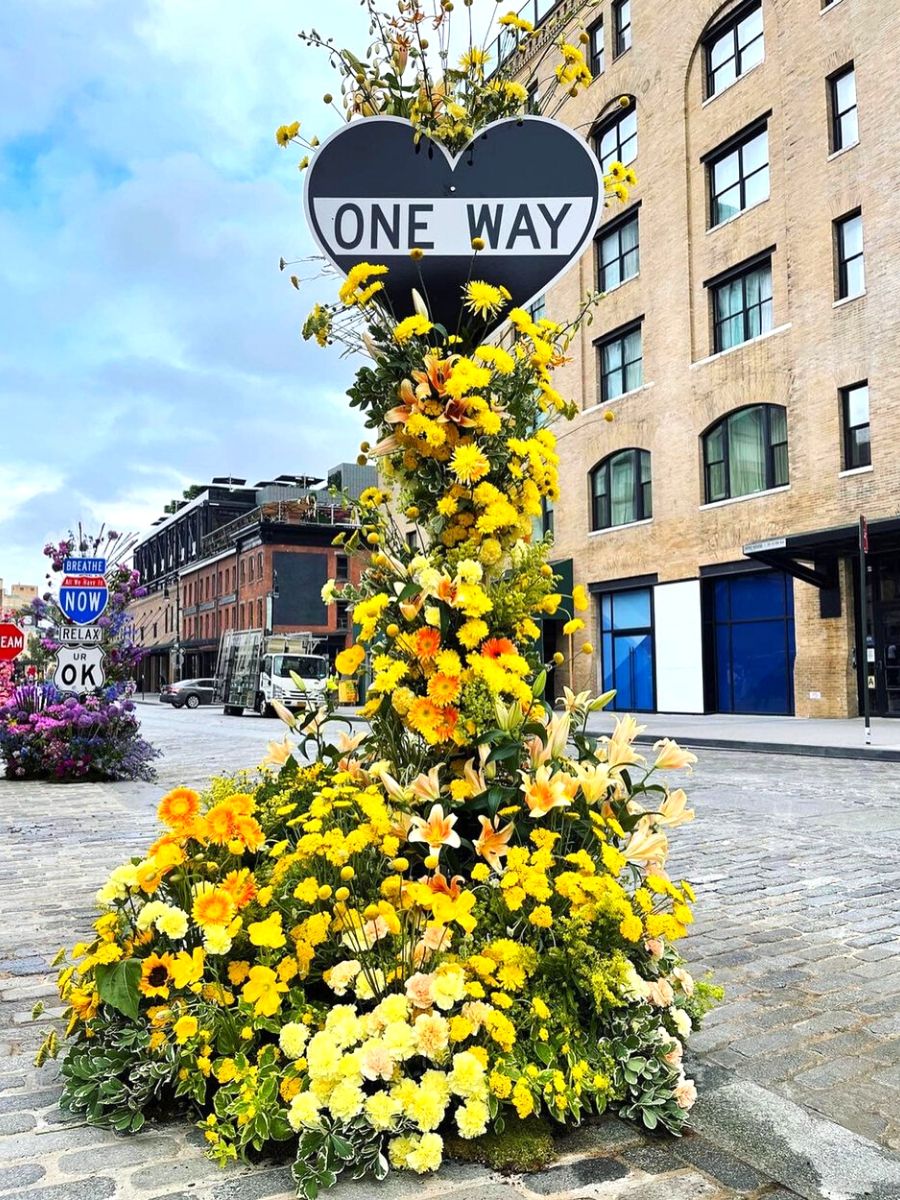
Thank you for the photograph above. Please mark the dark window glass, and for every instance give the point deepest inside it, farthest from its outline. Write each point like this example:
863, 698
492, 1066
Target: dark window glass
742, 306
746, 452
739, 178
621, 489
618, 253
616, 141
597, 62
851, 271
341, 568
855, 419
733, 49
621, 364
538, 310
547, 516
844, 117
622, 18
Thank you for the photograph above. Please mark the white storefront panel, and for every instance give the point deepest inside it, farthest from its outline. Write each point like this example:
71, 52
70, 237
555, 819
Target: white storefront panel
678, 640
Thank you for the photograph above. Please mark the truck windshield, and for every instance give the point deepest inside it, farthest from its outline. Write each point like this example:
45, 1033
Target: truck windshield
306, 667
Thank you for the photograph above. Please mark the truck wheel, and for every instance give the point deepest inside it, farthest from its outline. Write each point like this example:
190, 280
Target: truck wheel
193, 702
234, 710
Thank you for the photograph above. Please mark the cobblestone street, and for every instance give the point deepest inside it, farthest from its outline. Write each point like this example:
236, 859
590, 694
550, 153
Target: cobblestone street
795, 862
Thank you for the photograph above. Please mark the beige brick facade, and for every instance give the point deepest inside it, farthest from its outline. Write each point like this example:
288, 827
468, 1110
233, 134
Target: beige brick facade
815, 346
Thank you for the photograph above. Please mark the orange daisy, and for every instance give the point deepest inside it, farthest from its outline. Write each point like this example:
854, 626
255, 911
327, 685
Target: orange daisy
443, 689
240, 886
179, 807
156, 975
497, 647
213, 906
426, 642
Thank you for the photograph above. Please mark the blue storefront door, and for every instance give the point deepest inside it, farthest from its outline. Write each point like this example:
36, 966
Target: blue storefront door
626, 622
754, 643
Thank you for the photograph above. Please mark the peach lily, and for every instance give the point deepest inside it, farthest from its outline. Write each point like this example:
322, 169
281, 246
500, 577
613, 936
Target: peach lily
492, 842
544, 792
437, 831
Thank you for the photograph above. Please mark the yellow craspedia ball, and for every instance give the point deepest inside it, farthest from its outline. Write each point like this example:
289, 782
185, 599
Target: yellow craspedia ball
342, 894
400, 864
431, 861
361, 460
373, 539
392, 630
559, 659
609, 416
365, 447
347, 873
324, 892
412, 512
546, 570
587, 648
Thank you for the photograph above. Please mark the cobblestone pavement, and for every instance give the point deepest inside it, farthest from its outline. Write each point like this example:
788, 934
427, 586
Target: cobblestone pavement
796, 865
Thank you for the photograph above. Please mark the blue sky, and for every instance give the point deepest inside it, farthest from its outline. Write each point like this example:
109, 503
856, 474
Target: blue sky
147, 338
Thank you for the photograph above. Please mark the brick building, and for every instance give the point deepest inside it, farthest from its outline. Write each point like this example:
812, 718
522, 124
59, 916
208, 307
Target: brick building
746, 351
243, 558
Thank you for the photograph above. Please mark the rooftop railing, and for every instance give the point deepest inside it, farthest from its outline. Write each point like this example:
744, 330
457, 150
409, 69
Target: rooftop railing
279, 512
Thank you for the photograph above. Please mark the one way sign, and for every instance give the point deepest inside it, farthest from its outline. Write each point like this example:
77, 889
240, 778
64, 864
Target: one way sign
79, 669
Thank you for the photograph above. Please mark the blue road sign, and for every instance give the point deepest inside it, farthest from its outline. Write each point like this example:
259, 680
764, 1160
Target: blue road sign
83, 598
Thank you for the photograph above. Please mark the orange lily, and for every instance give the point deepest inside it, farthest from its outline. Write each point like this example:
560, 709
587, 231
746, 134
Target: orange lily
492, 842
437, 831
544, 792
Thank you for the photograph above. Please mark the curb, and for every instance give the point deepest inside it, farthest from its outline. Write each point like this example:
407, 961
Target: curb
803, 749
804, 1151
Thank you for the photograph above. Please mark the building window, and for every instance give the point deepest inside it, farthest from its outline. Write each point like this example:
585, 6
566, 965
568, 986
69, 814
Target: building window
739, 176
848, 244
855, 420
621, 489
616, 139
342, 615
259, 614
626, 623
595, 34
242, 576
746, 452
621, 363
622, 22
844, 116
412, 540
341, 568
538, 309
547, 516
742, 306
618, 252
250, 568
533, 102
733, 48
259, 565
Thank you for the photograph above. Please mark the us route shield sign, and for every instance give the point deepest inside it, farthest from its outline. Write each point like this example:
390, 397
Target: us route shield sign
373, 194
79, 669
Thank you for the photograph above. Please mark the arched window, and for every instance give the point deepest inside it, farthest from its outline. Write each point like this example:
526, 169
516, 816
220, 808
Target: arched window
615, 138
621, 489
746, 452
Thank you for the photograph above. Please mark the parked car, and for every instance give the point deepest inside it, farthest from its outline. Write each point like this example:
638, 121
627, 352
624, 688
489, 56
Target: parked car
188, 693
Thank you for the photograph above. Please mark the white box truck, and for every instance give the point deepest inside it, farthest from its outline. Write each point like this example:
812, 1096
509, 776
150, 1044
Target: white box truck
254, 669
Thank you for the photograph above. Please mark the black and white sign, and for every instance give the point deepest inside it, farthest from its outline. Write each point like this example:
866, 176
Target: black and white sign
79, 669
530, 188
78, 635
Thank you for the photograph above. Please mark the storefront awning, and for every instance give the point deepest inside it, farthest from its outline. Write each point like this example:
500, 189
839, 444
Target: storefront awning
813, 557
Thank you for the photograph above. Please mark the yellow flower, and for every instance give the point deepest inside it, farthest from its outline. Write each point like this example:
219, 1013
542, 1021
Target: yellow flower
187, 968
482, 298
349, 661
184, 1029
580, 597
573, 626
631, 928
263, 989
542, 917
414, 326
268, 932
469, 464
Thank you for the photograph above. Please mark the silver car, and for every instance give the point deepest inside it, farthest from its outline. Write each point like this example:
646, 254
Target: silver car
188, 693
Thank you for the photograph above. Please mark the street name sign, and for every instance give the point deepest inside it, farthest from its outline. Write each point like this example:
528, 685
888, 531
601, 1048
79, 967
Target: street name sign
12, 641
78, 635
373, 194
79, 669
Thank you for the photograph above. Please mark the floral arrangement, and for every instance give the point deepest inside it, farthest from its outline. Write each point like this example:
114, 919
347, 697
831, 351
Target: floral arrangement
459, 917
46, 735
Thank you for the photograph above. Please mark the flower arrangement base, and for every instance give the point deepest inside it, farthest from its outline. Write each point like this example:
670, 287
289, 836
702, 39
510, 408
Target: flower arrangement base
527, 1145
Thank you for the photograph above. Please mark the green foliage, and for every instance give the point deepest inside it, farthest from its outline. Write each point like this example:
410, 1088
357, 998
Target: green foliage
112, 1079
706, 996
521, 1146
324, 1154
642, 1081
117, 985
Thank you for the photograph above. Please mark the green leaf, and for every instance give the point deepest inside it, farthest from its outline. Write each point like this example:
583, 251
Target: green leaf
117, 985
537, 688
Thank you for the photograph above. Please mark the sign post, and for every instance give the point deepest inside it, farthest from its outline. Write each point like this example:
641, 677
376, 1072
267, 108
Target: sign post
864, 624
12, 641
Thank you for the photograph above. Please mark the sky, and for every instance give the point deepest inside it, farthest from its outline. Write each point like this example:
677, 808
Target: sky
148, 340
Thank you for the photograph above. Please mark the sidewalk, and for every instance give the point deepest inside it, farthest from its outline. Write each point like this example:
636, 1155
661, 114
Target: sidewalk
838, 738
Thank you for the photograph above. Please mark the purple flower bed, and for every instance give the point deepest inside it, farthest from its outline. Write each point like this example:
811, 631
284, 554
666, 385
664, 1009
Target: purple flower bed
44, 735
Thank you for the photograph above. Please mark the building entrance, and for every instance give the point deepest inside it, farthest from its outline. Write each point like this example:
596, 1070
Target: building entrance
750, 662
883, 636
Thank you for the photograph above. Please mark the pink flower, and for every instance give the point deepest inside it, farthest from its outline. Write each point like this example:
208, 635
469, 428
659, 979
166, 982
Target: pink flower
419, 988
685, 1093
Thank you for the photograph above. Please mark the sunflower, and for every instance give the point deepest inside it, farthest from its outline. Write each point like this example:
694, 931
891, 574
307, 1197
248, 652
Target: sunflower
212, 905
156, 975
178, 807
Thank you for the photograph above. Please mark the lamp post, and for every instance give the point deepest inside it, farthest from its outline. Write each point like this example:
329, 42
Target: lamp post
178, 653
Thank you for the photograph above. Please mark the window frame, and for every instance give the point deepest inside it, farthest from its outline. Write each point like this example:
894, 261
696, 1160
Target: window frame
642, 489
619, 335
729, 28
836, 115
742, 272
771, 483
614, 121
614, 229
847, 429
621, 29
842, 261
737, 145
597, 55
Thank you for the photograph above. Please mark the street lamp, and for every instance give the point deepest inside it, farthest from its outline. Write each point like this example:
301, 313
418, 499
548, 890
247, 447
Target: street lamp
178, 654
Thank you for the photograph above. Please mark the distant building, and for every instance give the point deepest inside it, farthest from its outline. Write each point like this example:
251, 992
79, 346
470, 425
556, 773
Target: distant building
17, 595
239, 557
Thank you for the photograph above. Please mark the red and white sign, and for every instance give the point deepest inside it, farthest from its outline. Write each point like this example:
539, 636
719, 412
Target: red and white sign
12, 641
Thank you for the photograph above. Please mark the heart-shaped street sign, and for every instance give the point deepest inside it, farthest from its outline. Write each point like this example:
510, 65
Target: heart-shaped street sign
530, 188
